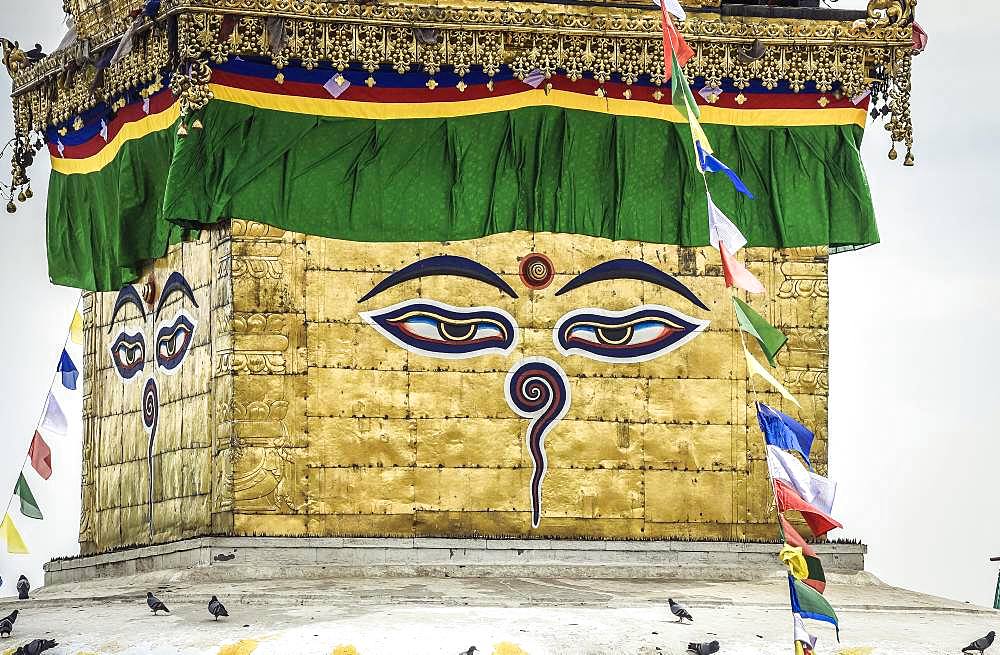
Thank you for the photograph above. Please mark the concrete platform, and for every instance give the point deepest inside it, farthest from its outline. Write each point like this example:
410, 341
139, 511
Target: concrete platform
501, 616
273, 557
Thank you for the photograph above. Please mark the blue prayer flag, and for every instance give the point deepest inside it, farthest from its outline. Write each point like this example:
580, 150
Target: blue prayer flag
68, 370
711, 164
810, 604
783, 431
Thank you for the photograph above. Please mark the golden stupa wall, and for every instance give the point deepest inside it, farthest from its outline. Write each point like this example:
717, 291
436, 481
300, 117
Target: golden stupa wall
291, 415
340, 431
189, 411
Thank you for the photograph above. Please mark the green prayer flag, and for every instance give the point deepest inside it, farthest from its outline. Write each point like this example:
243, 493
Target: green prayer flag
770, 338
680, 90
29, 506
811, 604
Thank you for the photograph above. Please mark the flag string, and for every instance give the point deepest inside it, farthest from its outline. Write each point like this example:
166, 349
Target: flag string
41, 417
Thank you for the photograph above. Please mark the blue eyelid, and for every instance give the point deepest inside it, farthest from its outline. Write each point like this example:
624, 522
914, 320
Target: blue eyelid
685, 327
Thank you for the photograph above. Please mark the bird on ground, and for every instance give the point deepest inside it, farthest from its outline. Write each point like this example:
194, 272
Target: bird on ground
155, 604
472, 649
981, 644
36, 647
6, 627
216, 609
12, 617
679, 611
35, 54
23, 587
704, 649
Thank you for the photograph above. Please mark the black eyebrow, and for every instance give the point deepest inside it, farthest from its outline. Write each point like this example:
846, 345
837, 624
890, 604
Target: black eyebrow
631, 269
442, 265
176, 282
127, 295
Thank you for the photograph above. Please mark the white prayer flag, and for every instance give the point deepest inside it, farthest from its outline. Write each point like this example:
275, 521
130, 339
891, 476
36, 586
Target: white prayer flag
672, 6
757, 369
54, 420
814, 489
720, 228
801, 634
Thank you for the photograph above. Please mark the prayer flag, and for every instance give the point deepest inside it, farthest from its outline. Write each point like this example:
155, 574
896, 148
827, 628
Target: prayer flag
810, 604
736, 274
700, 139
673, 6
709, 163
40, 456
792, 557
76, 328
68, 370
793, 538
801, 635
816, 578
680, 91
756, 368
15, 544
770, 338
675, 48
534, 79
29, 506
54, 419
789, 501
813, 488
783, 431
720, 228
806, 568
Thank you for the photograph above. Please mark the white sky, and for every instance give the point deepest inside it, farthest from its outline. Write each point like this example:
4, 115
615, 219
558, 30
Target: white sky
914, 358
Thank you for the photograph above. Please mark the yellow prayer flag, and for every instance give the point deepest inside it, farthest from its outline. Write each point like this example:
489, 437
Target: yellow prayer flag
794, 560
757, 369
698, 135
798, 648
15, 544
76, 328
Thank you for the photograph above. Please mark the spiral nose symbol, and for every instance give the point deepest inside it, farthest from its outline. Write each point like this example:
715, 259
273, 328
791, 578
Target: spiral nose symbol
150, 417
537, 389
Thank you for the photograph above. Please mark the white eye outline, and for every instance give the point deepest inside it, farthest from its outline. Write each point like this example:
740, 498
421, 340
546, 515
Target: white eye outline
135, 334
698, 323
372, 318
171, 322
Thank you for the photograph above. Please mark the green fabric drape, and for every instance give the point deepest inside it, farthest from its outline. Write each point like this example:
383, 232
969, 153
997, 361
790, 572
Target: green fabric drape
538, 169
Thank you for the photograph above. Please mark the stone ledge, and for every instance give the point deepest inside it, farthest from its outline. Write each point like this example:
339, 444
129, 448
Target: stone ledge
271, 557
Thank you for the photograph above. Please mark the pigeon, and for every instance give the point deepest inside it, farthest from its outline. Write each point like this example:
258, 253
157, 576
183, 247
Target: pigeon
472, 649
704, 649
7, 624
35, 54
36, 647
155, 604
979, 645
679, 611
23, 587
215, 608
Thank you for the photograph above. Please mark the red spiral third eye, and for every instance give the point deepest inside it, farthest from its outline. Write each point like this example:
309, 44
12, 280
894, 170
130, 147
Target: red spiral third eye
536, 271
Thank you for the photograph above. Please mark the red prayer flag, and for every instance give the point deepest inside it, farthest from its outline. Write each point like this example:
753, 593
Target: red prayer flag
737, 274
818, 585
793, 538
788, 500
41, 456
673, 41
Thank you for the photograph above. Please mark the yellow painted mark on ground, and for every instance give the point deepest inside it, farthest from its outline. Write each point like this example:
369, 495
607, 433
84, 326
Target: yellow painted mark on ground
345, 650
507, 648
241, 647
9, 651
860, 650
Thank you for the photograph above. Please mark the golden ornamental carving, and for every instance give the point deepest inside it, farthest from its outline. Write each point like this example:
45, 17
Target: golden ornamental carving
891, 12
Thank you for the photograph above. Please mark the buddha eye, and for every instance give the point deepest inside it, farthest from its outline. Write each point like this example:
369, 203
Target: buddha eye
173, 339
128, 354
634, 335
438, 330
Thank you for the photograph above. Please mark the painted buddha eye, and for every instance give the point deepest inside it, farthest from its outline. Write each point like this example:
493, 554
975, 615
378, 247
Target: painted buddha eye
634, 335
172, 342
438, 330
128, 354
